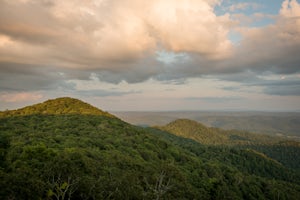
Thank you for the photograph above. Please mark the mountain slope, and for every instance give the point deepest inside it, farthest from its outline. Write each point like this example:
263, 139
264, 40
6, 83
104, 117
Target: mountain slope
83, 156
194, 130
64, 105
214, 136
285, 151
245, 158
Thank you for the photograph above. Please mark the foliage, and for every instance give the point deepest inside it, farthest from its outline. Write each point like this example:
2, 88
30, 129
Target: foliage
214, 136
85, 155
64, 105
268, 161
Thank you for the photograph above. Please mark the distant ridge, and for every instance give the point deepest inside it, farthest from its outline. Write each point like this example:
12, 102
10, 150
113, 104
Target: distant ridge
194, 130
63, 105
214, 136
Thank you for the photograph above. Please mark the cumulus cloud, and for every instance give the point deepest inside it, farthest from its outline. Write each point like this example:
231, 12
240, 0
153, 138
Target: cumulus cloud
112, 36
275, 47
290, 8
45, 43
190, 26
101, 32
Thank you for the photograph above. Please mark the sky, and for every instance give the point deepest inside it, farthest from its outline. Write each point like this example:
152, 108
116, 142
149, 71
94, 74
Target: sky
152, 55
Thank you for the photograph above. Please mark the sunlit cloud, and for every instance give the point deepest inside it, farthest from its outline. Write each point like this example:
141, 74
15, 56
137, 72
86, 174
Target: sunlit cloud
114, 49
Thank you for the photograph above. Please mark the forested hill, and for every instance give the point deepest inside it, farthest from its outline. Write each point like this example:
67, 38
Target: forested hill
280, 149
215, 136
67, 149
63, 105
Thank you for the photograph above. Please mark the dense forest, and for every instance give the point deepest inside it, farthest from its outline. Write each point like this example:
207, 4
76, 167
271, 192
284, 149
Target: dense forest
285, 151
67, 149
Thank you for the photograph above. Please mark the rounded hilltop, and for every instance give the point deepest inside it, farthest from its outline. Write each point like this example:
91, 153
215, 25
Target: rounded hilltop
62, 105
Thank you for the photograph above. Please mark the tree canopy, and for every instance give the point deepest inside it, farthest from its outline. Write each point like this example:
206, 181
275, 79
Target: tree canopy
92, 155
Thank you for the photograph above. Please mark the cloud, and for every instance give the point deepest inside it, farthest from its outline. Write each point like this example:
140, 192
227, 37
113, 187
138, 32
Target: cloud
290, 8
214, 99
269, 83
281, 87
26, 77
103, 93
281, 90
44, 44
109, 37
231, 88
272, 48
243, 6
19, 97
173, 21
104, 32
